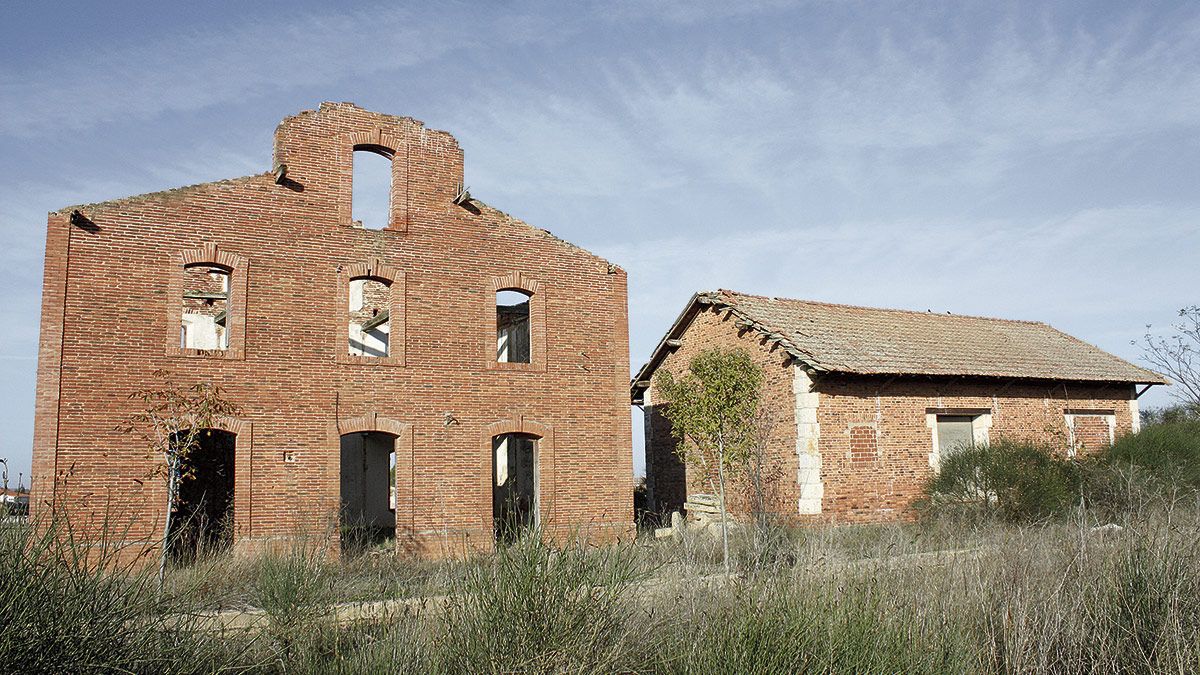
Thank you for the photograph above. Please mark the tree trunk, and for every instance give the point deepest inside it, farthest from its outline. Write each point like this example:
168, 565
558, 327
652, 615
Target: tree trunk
724, 512
172, 485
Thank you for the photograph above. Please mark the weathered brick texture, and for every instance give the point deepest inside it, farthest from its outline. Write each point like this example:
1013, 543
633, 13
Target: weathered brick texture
875, 440
112, 292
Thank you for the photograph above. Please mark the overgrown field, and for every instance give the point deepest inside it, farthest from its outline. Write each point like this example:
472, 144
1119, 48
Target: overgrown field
1009, 570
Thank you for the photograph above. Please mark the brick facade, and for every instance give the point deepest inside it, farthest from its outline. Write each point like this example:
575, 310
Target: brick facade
115, 273
873, 437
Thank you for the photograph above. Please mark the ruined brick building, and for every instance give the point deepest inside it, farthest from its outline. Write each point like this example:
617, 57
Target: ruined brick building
864, 403
479, 359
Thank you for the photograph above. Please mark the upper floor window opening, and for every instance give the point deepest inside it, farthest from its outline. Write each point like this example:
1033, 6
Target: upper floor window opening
371, 191
205, 317
370, 317
512, 326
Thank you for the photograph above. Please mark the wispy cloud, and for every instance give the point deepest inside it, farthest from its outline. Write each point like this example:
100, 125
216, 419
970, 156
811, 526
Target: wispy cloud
187, 71
1031, 161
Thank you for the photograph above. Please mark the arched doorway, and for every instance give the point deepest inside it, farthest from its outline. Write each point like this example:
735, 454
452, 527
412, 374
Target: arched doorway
514, 485
368, 492
203, 520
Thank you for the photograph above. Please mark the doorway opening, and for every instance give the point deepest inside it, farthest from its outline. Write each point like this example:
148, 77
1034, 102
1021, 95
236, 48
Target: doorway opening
368, 490
514, 485
203, 520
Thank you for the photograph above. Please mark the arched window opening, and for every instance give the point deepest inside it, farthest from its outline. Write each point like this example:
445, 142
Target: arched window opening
370, 317
371, 193
512, 326
514, 485
368, 490
203, 521
205, 317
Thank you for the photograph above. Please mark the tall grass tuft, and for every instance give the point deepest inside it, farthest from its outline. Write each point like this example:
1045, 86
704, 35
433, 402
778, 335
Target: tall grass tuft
536, 608
75, 605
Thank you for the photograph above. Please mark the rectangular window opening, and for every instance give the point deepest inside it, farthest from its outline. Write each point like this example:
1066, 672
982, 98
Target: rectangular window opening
370, 318
512, 327
371, 191
205, 317
514, 485
368, 490
955, 433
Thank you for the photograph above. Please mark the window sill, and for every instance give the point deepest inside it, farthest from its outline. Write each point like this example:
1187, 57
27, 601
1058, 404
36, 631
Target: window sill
229, 354
396, 361
534, 367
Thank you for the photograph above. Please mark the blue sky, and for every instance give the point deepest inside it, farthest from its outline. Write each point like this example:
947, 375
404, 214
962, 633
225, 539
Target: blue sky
1017, 160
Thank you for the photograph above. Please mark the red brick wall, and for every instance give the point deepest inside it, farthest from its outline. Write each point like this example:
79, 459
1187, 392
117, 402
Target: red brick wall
108, 305
874, 441
886, 486
665, 472
1089, 433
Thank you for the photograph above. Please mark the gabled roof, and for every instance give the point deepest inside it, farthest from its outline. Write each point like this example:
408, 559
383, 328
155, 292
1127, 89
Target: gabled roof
830, 338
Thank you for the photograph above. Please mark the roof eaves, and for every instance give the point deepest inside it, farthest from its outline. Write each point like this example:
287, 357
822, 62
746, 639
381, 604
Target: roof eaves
771, 333
640, 382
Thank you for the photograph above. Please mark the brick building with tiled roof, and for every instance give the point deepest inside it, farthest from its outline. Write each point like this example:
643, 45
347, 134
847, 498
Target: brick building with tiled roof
864, 402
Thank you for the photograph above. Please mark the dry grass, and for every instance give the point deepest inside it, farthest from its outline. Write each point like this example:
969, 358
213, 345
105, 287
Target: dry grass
949, 594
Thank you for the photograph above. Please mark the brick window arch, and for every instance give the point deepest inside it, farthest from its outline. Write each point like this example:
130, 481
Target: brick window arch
207, 283
348, 308
544, 436
394, 150
402, 433
496, 343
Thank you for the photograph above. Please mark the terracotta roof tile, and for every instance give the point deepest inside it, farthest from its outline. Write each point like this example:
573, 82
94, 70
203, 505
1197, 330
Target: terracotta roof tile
870, 341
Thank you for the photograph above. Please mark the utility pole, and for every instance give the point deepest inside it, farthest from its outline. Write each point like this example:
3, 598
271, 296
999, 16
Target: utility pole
4, 499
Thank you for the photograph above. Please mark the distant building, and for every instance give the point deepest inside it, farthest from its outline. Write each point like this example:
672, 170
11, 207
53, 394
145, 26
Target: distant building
866, 402
14, 503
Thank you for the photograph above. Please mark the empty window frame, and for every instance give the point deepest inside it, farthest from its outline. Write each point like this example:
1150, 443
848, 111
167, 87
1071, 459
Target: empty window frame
513, 343
371, 191
369, 321
204, 321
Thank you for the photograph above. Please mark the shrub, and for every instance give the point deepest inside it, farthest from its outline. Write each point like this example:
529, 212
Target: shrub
1014, 481
1167, 452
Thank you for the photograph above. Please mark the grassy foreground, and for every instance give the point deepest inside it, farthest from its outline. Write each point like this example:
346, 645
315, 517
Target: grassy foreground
962, 591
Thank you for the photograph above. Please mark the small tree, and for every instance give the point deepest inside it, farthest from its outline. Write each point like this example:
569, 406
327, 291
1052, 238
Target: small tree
171, 421
1178, 356
763, 471
712, 409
